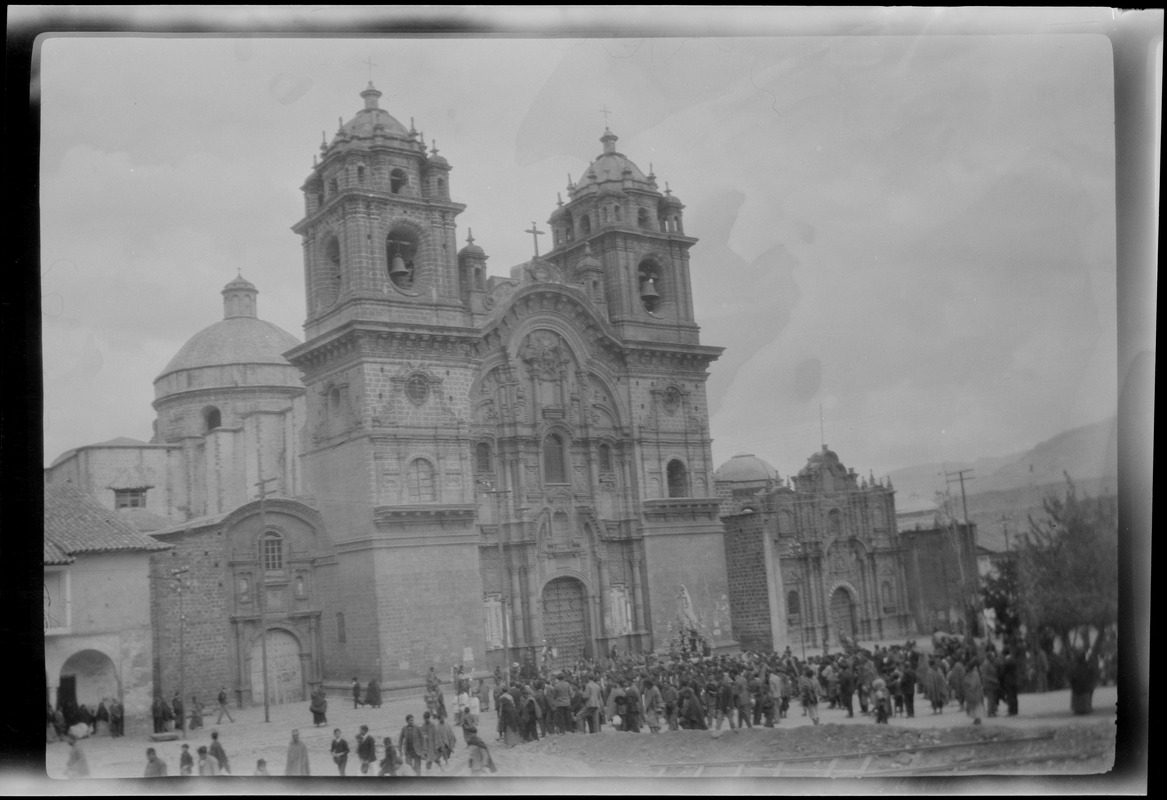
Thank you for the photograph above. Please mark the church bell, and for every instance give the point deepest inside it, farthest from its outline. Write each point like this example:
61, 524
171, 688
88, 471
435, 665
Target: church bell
398, 269
648, 290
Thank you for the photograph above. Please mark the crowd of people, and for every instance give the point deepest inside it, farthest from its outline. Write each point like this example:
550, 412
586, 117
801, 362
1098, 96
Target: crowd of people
637, 693
629, 693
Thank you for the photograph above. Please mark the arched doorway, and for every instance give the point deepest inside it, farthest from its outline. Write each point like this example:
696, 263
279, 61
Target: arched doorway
565, 620
87, 678
283, 668
843, 614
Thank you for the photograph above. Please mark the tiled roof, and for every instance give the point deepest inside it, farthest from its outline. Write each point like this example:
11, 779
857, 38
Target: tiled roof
145, 521
55, 555
77, 523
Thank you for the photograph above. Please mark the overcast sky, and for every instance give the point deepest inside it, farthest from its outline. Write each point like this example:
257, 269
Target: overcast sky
915, 232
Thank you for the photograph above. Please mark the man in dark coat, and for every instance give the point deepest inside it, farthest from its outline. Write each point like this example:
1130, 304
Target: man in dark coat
179, 712
1008, 681
157, 710
411, 745
117, 718
219, 754
223, 707
356, 693
847, 689
908, 687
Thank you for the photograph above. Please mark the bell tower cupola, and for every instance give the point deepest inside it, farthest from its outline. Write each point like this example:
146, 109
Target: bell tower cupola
379, 226
616, 217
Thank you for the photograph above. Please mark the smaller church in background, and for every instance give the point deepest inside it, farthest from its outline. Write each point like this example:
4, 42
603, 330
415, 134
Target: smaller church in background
817, 561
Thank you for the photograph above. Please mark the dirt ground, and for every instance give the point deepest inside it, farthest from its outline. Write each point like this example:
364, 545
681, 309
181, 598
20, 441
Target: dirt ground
619, 755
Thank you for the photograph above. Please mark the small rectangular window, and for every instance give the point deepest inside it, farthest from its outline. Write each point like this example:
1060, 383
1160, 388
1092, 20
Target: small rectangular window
340, 632
129, 498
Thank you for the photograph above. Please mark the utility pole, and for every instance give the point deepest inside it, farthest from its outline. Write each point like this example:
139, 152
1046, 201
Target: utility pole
960, 540
262, 589
176, 573
964, 504
504, 582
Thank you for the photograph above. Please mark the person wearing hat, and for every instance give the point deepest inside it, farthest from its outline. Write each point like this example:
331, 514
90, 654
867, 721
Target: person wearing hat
411, 745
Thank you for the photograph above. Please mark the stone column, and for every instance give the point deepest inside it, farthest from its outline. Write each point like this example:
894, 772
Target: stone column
637, 598
604, 627
534, 604
516, 609
314, 650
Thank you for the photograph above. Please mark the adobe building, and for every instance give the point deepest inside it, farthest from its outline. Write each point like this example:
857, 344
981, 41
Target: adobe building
816, 558
450, 463
99, 641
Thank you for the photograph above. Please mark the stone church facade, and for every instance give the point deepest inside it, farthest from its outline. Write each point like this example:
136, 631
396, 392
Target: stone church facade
450, 463
816, 559
527, 456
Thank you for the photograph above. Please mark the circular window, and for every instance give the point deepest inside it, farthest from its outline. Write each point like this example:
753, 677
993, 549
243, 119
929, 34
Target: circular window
417, 389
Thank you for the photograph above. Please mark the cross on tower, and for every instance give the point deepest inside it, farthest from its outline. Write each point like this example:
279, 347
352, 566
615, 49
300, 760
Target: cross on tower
369, 62
604, 110
535, 234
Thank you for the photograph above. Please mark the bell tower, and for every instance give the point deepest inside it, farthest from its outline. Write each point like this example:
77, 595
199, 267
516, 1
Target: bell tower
378, 231
636, 232
387, 364
618, 230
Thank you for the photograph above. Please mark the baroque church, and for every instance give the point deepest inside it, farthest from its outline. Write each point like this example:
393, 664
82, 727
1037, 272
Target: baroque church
816, 559
453, 469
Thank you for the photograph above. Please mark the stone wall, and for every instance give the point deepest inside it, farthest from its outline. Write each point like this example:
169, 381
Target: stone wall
208, 643
749, 593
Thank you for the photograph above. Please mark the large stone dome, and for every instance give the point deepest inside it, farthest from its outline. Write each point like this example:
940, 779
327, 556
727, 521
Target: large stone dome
745, 468
239, 340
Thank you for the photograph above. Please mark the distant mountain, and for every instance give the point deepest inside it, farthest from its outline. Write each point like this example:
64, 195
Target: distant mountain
1088, 453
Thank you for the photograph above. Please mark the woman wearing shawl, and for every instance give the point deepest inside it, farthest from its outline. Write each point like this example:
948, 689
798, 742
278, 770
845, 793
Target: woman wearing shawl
479, 753
508, 720
956, 682
974, 697
936, 688
318, 707
446, 740
529, 713
373, 694
692, 714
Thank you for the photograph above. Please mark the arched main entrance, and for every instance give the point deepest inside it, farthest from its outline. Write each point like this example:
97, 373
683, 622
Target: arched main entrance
283, 668
565, 620
843, 614
87, 678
